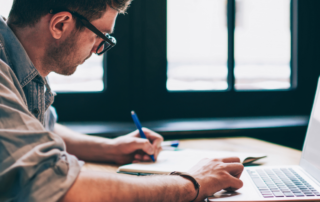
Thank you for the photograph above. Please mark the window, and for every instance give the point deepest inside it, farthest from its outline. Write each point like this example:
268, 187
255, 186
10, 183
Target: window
197, 43
262, 44
87, 78
177, 87
5, 8
158, 69
197, 54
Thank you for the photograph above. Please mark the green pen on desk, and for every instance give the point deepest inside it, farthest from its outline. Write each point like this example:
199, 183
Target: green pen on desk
137, 122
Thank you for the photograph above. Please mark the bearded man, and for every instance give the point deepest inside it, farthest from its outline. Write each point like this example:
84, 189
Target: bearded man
38, 157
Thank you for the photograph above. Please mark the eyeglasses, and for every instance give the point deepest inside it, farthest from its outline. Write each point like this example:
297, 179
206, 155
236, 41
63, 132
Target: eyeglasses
108, 41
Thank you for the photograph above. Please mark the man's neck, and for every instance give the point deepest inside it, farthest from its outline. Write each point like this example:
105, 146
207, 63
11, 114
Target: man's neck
33, 43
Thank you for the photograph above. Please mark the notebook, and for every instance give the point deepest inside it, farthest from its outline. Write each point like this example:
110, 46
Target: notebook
183, 160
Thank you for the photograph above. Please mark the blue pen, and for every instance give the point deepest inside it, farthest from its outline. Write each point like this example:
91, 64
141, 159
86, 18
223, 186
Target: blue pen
137, 122
174, 143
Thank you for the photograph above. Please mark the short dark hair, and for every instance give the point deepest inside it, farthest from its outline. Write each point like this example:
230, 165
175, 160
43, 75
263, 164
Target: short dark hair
28, 12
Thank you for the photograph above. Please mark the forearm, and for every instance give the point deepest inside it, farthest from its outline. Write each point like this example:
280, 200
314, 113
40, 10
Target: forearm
85, 147
101, 186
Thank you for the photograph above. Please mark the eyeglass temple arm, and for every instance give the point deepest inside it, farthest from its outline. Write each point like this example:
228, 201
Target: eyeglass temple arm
92, 28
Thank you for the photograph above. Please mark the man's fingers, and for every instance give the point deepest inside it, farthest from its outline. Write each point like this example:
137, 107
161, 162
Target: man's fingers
151, 145
138, 157
235, 169
231, 160
151, 135
235, 183
146, 158
157, 143
144, 145
157, 147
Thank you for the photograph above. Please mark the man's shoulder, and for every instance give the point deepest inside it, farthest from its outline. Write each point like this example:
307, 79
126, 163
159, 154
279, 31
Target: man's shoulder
9, 79
5, 70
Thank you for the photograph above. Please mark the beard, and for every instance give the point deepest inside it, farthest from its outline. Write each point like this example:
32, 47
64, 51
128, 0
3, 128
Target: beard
64, 58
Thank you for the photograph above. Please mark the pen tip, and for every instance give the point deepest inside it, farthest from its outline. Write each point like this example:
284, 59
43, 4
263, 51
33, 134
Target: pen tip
132, 112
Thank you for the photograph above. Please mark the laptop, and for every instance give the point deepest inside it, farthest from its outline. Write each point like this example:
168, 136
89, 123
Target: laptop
285, 183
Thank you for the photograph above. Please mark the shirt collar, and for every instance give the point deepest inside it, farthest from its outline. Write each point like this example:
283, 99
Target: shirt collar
17, 57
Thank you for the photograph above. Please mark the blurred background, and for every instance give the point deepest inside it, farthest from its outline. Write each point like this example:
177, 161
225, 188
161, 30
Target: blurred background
195, 68
197, 55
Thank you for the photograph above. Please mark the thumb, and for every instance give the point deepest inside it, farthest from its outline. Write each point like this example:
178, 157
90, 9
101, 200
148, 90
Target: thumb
144, 145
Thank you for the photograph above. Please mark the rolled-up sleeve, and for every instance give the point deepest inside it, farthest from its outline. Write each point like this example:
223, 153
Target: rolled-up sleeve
34, 165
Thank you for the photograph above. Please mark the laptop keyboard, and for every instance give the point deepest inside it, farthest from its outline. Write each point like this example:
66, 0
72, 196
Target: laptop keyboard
283, 182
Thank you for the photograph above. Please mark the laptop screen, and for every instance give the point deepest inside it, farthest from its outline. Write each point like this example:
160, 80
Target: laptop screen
310, 160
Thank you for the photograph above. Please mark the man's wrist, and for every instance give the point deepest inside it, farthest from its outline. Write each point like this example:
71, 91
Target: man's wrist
102, 148
111, 147
188, 192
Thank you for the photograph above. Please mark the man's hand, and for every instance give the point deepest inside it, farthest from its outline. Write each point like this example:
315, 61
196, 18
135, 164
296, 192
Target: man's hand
125, 149
214, 175
132, 148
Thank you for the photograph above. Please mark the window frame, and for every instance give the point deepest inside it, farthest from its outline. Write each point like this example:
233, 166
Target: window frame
136, 76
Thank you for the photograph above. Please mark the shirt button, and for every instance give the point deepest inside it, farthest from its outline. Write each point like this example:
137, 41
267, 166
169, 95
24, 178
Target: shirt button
36, 111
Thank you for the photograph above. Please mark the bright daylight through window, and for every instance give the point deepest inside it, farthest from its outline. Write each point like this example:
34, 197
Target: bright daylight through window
262, 44
197, 42
87, 78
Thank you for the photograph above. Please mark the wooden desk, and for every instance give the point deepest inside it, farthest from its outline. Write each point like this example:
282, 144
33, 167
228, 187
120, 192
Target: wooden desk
277, 155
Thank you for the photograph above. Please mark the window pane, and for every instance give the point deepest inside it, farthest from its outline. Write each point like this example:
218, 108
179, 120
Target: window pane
87, 78
262, 44
5, 8
197, 42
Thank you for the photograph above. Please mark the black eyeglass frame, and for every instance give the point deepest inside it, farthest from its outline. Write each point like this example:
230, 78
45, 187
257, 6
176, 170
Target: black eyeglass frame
110, 40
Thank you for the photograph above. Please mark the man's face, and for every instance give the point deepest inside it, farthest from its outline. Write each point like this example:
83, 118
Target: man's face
79, 45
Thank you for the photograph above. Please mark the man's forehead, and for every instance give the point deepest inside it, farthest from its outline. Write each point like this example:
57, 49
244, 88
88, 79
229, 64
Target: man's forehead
107, 21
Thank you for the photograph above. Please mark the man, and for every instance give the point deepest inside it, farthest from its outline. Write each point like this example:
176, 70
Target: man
35, 153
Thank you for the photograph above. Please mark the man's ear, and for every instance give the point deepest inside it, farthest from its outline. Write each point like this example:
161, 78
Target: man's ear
61, 23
